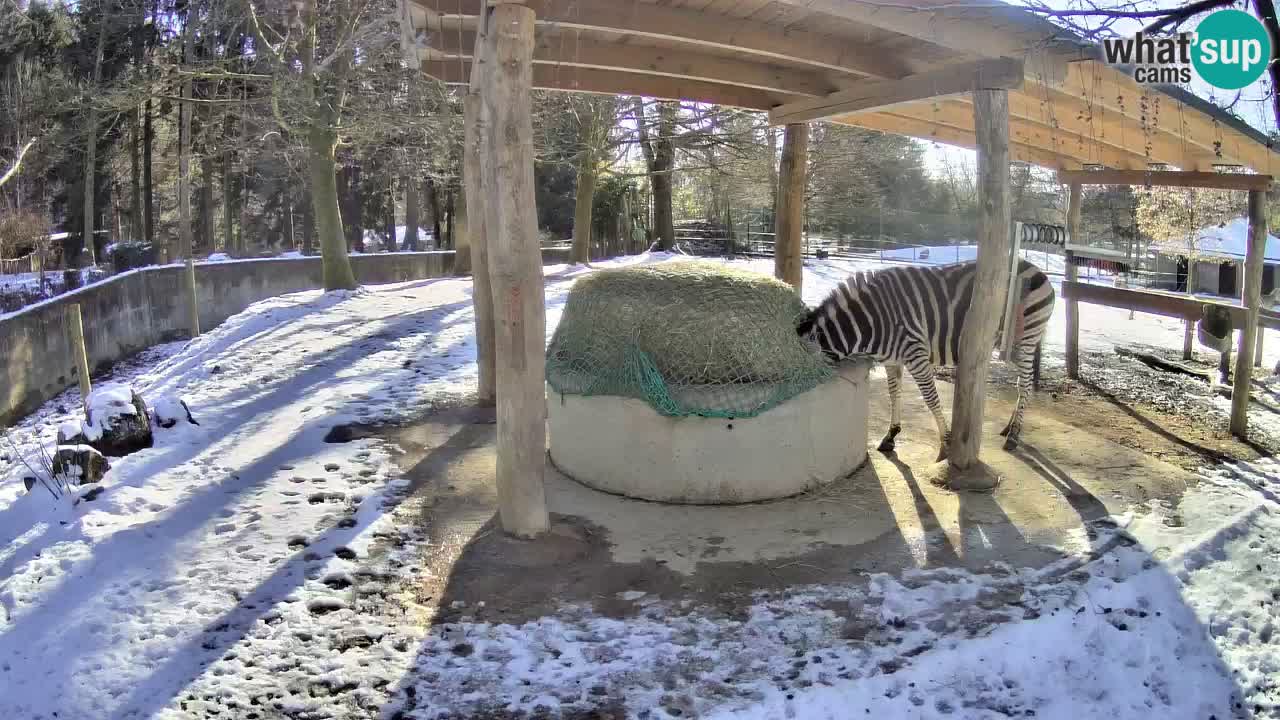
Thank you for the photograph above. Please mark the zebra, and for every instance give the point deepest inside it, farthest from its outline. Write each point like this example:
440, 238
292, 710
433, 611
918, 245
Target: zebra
912, 317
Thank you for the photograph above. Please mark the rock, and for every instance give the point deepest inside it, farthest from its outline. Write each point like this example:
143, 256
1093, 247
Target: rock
118, 423
169, 410
81, 463
71, 432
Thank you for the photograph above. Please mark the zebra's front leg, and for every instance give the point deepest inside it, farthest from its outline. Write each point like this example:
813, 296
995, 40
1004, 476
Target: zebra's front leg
921, 370
893, 372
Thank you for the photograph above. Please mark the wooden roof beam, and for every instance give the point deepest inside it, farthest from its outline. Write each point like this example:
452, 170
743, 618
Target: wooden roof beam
1057, 108
991, 31
919, 129
1167, 178
958, 115
998, 74
1103, 87
568, 50
740, 35
615, 82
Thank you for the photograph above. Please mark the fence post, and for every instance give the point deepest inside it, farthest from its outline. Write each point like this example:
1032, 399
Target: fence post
193, 305
74, 327
1075, 200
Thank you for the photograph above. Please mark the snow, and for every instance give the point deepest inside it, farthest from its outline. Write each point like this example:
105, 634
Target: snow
243, 564
1230, 241
1051, 263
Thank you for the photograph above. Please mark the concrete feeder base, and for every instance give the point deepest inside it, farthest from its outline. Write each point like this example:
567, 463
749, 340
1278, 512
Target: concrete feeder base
623, 446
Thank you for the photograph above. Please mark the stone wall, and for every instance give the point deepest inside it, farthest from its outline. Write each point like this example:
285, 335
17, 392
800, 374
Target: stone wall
140, 308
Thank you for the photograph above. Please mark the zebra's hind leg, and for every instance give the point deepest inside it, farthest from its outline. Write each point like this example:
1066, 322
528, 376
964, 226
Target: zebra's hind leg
1025, 362
893, 372
921, 370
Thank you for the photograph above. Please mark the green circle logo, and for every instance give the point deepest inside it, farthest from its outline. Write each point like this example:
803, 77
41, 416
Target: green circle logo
1232, 49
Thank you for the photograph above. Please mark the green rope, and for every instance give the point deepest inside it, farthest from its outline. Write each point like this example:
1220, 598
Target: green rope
689, 338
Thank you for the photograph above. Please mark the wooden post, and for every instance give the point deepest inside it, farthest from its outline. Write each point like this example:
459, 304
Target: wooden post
1188, 336
1013, 294
481, 287
193, 305
74, 327
1252, 303
789, 221
991, 120
515, 265
1257, 355
1075, 202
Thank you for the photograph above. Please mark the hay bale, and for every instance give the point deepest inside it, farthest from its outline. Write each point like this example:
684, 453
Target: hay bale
690, 338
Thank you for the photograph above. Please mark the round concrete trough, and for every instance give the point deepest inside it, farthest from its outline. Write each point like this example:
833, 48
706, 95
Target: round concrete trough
623, 446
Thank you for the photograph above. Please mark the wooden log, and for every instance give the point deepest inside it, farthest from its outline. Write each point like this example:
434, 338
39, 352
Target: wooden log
193, 303
1252, 302
991, 117
788, 263
1167, 178
73, 325
515, 263
1074, 204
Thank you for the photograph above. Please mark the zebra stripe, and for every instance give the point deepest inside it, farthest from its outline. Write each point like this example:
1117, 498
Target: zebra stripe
912, 317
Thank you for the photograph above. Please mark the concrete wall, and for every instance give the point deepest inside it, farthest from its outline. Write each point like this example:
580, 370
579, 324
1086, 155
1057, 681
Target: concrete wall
135, 310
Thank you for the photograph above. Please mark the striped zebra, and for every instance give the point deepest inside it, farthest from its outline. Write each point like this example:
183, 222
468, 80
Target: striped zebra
911, 317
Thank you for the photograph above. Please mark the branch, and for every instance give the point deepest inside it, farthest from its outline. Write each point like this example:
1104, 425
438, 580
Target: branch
260, 38
375, 28
12, 172
1182, 13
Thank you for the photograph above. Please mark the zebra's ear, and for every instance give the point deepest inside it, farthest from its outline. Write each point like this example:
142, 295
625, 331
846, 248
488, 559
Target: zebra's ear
807, 322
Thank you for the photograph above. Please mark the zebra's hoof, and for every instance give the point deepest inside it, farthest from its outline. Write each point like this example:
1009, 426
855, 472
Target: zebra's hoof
1005, 431
1010, 444
942, 455
887, 445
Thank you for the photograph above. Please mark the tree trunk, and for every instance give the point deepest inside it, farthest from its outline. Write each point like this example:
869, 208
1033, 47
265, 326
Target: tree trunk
663, 223
788, 247
410, 243
228, 187
324, 201
185, 243
390, 243
205, 238
586, 189
308, 223
433, 202
448, 218
137, 229
286, 222
91, 149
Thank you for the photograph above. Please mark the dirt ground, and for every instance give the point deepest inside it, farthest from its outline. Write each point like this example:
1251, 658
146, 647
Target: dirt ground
1095, 448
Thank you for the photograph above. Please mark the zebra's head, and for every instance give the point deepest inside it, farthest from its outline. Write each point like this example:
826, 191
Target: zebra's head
810, 332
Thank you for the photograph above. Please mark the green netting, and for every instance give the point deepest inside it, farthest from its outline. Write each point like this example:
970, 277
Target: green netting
690, 338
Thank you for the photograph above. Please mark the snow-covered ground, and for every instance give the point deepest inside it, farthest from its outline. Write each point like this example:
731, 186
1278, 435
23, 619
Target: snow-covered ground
244, 568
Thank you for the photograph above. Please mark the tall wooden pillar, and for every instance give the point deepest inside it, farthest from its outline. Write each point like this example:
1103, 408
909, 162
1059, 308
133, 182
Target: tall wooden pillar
991, 122
788, 265
515, 266
478, 255
1252, 302
1074, 202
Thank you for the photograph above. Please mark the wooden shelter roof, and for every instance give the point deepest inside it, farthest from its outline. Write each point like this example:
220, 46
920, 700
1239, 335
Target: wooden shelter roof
898, 66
